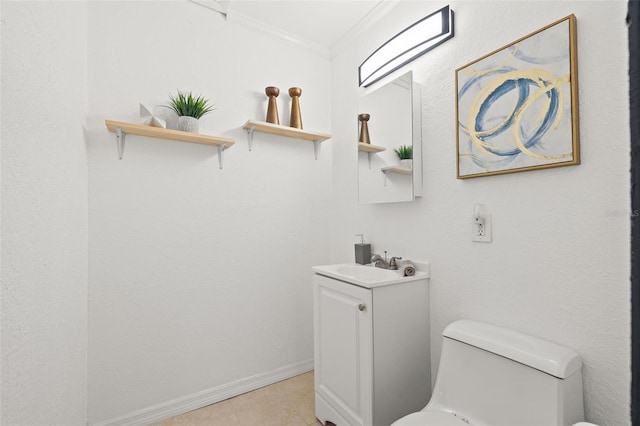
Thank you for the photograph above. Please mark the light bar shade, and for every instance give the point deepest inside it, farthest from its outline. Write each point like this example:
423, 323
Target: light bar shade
407, 45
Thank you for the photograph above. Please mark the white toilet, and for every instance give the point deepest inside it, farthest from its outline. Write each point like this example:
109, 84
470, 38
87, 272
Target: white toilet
490, 375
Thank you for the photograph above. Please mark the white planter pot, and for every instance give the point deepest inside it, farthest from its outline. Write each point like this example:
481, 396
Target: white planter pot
188, 124
407, 164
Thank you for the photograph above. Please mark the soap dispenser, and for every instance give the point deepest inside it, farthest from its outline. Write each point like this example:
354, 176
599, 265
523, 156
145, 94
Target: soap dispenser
363, 251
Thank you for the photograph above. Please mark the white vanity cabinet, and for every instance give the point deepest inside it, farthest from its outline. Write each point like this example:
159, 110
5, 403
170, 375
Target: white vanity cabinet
372, 360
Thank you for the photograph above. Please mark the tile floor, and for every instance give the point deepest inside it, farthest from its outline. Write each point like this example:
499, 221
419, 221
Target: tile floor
286, 403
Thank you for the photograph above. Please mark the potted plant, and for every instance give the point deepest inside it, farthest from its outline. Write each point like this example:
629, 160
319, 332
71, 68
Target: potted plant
405, 153
189, 109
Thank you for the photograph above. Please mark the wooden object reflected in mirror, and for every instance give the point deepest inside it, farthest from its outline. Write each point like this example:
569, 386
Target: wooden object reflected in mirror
392, 114
296, 118
364, 128
272, 109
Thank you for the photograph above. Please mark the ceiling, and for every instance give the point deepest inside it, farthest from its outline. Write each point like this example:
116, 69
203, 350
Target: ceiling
322, 22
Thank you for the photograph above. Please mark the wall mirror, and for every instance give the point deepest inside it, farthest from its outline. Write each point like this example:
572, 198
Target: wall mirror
389, 118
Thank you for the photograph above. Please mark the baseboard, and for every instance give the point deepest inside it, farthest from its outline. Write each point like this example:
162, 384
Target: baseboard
201, 399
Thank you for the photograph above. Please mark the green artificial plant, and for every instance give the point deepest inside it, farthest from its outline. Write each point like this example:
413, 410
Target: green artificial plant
185, 104
405, 152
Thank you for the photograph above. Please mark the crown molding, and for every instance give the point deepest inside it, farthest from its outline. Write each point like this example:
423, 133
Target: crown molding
361, 27
266, 29
220, 6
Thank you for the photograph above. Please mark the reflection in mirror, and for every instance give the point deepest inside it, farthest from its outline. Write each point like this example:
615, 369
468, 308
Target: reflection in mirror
389, 118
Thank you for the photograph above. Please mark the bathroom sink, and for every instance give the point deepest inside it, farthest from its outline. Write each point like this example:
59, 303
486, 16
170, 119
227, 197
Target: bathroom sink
368, 276
366, 273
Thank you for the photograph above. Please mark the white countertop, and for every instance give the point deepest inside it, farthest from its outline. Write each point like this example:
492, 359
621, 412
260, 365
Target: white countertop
369, 276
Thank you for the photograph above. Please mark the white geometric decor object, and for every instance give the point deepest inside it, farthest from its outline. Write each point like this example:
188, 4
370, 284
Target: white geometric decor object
149, 119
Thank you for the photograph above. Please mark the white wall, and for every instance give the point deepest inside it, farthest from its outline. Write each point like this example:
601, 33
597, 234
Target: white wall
44, 214
199, 276
558, 267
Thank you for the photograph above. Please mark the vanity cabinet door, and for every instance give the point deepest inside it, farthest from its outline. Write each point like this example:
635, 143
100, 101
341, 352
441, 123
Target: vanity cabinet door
343, 351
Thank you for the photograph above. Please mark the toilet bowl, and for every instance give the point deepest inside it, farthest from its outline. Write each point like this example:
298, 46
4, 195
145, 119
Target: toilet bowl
490, 375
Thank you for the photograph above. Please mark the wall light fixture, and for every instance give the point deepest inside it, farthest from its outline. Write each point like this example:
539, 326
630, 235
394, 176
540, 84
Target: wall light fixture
407, 45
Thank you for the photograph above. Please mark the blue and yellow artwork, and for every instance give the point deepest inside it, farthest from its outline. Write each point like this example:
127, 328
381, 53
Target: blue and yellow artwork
517, 107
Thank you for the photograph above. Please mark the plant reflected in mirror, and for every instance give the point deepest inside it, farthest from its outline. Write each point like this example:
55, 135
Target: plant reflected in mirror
387, 172
405, 152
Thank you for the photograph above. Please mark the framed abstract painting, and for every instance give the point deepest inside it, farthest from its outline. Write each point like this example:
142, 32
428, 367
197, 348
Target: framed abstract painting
517, 107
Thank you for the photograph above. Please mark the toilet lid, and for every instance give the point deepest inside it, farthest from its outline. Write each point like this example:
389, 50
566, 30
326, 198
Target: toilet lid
426, 418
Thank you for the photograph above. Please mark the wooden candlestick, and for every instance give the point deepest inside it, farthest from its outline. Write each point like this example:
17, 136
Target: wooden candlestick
296, 118
364, 128
272, 110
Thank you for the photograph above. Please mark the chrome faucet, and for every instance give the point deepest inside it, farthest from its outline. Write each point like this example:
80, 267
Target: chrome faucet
379, 262
392, 263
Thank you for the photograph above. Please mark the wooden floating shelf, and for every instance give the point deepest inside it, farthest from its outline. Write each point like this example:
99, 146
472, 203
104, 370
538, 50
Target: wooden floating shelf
174, 135
290, 132
396, 169
370, 149
121, 128
367, 147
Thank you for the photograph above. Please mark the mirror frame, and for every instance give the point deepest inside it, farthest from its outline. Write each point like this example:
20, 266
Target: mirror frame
416, 138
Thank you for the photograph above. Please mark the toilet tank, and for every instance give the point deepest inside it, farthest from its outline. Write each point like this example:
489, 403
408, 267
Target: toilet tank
495, 376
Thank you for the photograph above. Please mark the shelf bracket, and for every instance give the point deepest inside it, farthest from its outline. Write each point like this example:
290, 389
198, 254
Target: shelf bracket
369, 158
315, 147
120, 141
384, 172
221, 149
250, 136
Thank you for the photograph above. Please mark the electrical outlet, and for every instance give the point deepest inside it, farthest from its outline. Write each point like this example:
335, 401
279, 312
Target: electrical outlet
481, 232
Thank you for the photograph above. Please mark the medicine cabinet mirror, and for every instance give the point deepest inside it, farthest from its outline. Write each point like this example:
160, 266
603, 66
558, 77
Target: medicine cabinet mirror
394, 121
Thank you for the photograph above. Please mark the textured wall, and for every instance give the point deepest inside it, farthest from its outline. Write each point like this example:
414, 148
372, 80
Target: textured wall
174, 306
558, 267
44, 214
198, 276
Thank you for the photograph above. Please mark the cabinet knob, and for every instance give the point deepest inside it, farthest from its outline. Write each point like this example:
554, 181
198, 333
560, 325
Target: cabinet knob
362, 307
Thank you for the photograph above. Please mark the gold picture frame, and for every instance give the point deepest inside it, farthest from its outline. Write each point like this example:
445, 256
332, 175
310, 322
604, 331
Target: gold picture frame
517, 107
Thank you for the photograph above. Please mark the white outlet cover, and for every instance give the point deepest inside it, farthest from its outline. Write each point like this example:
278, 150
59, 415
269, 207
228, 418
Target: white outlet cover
486, 238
